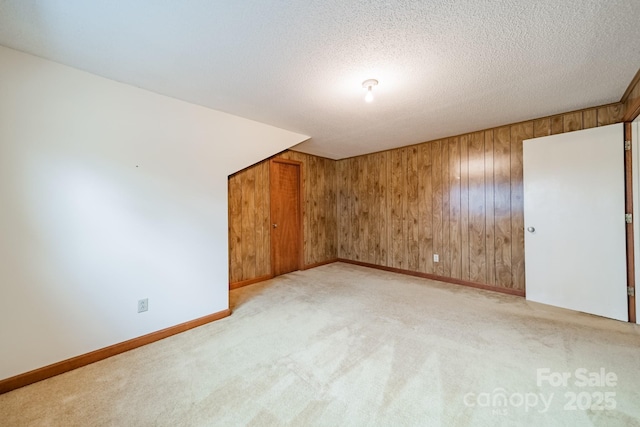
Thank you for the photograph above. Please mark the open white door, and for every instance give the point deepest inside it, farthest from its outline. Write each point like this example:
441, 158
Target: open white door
635, 162
575, 253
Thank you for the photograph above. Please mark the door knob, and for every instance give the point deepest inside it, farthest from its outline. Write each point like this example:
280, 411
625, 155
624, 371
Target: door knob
275, 225
531, 229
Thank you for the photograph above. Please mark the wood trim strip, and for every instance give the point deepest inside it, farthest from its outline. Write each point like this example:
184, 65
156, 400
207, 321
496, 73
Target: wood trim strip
632, 112
319, 264
248, 282
634, 82
516, 292
628, 181
58, 368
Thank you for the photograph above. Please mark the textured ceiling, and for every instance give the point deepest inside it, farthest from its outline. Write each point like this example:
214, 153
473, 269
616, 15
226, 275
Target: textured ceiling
445, 66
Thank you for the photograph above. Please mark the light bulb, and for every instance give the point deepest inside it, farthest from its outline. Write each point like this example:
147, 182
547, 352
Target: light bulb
368, 85
369, 96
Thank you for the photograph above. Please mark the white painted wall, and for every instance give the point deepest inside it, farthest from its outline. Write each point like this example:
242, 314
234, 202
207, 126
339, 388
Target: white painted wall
109, 194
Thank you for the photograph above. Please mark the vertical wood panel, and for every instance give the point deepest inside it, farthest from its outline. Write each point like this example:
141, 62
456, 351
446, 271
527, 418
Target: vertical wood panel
309, 205
373, 200
320, 215
397, 208
332, 177
412, 237
257, 217
311, 218
425, 209
248, 224
502, 210
477, 211
364, 204
259, 214
464, 204
519, 133
344, 214
345, 209
445, 259
235, 228
383, 167
572, 121
388, 207
616, 112
490, 207
320, 193
589, 118
557, 125
354, 237
436, 201
610, 114
542, 127
455, 222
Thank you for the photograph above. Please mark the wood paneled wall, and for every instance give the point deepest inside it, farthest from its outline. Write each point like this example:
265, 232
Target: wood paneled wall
249, 224
459, 197
249, 248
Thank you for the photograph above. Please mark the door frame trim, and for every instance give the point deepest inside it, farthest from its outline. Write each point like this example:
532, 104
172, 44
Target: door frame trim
300, 210
631, 172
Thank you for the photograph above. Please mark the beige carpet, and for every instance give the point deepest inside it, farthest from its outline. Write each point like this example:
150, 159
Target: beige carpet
347, 345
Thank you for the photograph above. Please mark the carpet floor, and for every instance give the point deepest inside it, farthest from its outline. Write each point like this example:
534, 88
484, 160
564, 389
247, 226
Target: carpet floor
343, 345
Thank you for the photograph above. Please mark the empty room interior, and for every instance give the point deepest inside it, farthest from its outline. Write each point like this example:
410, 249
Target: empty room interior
267, 213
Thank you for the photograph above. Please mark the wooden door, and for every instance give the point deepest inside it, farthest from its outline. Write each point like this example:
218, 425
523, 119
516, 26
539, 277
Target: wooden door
286, 216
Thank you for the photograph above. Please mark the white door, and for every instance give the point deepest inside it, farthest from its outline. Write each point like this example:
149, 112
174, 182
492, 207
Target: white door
635, 162
575, 253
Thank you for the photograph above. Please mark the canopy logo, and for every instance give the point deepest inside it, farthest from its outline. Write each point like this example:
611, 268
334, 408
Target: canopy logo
499, 400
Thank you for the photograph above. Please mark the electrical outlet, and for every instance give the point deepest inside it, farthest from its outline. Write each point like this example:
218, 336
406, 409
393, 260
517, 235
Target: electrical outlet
436, 258
143, 305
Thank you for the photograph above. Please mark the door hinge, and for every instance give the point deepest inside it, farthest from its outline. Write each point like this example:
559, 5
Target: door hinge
628, 218
631, 291
627, 145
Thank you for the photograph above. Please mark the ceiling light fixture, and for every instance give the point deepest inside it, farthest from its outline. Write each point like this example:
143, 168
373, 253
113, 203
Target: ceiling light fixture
368, 85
